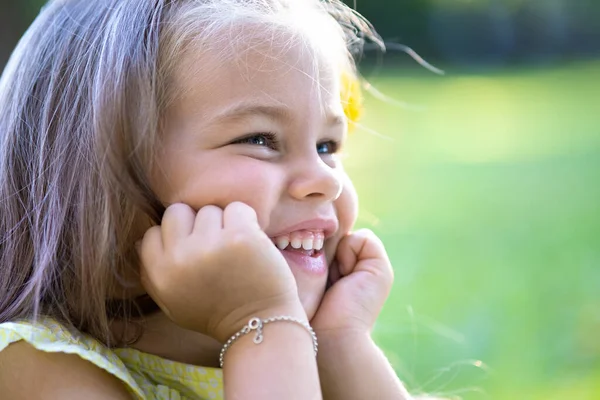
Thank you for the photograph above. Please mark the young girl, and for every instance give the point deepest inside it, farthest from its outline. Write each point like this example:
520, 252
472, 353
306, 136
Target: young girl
173, 203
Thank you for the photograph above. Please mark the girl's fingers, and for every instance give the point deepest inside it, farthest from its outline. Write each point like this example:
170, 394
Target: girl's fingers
347, 254
358, 246
177, 224
334, 273
239, 216
208, 219
151, 247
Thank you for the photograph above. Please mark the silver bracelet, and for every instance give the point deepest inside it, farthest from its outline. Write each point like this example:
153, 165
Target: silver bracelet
256, 324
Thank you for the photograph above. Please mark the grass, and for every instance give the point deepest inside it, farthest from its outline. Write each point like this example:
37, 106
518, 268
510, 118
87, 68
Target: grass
486, 192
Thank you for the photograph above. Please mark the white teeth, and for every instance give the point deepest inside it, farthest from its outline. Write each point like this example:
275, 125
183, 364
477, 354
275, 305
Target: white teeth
306, 240
318, 244
307, 244
296, 243
282, 242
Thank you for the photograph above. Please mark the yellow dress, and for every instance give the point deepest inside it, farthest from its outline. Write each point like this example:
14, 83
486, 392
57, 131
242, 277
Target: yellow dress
145, 375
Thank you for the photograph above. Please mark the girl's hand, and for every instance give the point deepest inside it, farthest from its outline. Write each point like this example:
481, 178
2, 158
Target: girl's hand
213, 270
361, 277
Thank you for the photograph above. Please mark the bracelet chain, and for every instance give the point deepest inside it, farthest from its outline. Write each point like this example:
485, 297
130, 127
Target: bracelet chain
256, 324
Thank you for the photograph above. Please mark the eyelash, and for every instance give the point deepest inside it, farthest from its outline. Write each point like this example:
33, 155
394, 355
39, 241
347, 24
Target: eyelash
273, 143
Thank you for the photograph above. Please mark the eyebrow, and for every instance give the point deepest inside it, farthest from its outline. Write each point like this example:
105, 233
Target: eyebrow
277, 113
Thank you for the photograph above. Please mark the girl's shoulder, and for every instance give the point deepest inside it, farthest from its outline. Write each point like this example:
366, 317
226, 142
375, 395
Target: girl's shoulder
45, 347
145, 376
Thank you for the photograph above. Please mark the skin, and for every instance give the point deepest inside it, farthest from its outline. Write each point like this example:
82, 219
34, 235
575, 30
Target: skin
263, 139
199, 166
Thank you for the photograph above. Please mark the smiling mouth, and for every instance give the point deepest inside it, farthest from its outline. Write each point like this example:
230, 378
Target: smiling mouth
303, 250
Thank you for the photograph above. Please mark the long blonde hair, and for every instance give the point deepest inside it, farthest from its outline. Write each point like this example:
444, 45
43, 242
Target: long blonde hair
81, 101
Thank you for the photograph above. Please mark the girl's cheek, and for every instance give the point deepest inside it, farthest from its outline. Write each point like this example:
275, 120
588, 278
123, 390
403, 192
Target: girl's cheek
248, 183
347, 206
347, 210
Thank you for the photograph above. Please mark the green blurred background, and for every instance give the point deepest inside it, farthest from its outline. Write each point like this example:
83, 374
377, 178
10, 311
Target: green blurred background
484, 185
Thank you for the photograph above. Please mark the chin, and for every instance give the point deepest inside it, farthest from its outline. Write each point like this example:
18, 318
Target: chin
311, 291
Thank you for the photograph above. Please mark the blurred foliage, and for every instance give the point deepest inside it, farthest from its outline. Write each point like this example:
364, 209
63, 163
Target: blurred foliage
484, 189
15, 16
466, 32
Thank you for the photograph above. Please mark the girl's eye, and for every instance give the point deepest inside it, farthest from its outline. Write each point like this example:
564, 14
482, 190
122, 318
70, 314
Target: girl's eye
329, 147
261, 139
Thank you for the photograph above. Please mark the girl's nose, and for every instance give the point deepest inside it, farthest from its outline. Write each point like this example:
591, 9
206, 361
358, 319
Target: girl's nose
316, 179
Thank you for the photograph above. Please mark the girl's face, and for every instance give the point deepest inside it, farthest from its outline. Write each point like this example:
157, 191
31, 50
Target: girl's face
264, 130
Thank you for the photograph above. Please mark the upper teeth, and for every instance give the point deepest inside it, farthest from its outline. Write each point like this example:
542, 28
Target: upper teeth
304, 240
282, 242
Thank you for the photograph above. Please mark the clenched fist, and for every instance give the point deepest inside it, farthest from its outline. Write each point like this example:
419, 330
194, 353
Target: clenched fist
213, 270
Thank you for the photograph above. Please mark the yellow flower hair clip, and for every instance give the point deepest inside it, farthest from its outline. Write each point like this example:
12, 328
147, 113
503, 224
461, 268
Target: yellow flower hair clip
352, 98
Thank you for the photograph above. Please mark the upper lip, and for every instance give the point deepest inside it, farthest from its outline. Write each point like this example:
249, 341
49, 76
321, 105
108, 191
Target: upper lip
328, 225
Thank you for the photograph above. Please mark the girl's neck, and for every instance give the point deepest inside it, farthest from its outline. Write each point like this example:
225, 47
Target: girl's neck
161, 337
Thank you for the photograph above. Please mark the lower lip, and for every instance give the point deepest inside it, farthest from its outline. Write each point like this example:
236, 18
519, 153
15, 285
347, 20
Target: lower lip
316, 265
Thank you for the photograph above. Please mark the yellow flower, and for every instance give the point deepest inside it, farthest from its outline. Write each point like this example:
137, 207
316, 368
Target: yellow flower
352, 99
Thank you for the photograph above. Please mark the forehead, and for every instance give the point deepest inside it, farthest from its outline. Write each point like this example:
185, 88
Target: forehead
283, 67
